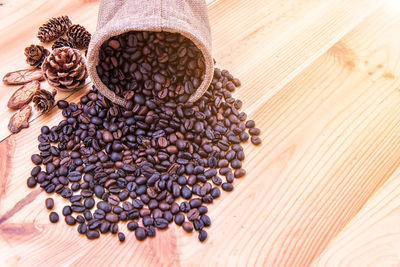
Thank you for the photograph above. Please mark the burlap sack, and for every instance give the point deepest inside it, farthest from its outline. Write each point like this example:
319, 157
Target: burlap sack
187, 17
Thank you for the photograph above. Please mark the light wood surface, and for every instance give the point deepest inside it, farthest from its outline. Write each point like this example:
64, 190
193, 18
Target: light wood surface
321, 80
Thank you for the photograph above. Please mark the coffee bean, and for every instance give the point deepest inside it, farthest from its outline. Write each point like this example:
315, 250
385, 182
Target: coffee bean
70, 220
53, 217
121, 237
106, 207
89, 203
236, 164
62, 104
254, 131
227, 187
92, 234
202, 235
114, 228
140, 233
107, 136
49, 203
250, 124
31, 182
193, 214
256, 140
36, 159
188, 227
179, 218
150, 231
195, 202
112, 217
82, 228
67, 211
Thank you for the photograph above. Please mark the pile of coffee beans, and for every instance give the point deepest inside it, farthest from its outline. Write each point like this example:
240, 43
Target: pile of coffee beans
165, 65
149, 163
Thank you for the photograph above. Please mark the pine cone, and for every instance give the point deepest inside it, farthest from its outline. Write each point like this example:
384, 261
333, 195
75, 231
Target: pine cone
53, 29
79, 36
44, 100
35, 54
62, 42
65, 69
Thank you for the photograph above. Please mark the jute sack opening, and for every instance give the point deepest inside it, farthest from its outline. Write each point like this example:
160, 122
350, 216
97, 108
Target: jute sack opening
187, 17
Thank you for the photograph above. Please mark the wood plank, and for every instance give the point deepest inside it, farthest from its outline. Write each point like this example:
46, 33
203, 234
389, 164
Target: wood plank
268, 37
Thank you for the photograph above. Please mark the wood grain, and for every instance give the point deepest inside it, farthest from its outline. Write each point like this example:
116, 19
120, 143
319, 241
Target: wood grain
324, 91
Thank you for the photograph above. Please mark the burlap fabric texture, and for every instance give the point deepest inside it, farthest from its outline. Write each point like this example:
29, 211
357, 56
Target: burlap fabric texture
187, 17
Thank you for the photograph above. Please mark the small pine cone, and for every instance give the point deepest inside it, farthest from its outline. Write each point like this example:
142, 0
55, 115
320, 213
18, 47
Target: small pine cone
35, 54
53, 29
65, 69
44, 100
62, 42
79, 36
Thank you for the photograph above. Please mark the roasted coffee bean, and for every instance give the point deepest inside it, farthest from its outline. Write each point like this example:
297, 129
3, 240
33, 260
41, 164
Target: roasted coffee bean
150, 231
31, 182
239, 173
236, 164
132, 226
70, 220
49, 203
156, 148
121, 237
254, 131
140, 233
82, 228
179, 218
255, 140
53, 216
250, 124
36, 159
202, 235
67, 211
227, 187
188, 227
92, 234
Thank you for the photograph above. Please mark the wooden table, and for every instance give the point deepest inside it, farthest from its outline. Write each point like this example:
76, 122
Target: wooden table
321, 79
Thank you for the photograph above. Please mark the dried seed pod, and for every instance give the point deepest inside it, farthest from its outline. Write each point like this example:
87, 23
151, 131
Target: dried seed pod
65, 69
20, 119
23, 95
44, 100
23, 76
53, 29
35, 54
62, 42
79, 36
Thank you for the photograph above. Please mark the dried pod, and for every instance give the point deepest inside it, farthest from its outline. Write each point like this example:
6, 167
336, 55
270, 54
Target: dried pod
65, 69
44, 100
20, 119
35, 54
23, 76
53, 29
23, 95
79, 36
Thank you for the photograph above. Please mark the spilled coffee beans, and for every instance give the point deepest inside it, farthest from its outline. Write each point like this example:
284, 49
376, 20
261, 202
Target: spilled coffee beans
150, 163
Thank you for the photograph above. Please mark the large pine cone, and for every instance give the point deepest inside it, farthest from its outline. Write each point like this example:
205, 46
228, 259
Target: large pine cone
35, 54
44, 100
53, 29
79, 36
65, 69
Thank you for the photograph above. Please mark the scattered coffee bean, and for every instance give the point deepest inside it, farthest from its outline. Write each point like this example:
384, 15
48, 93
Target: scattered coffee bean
49, 203
187, 226
255, 140
121, 237
53, 217
134, 163
202, 235
140, 233
92, 234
